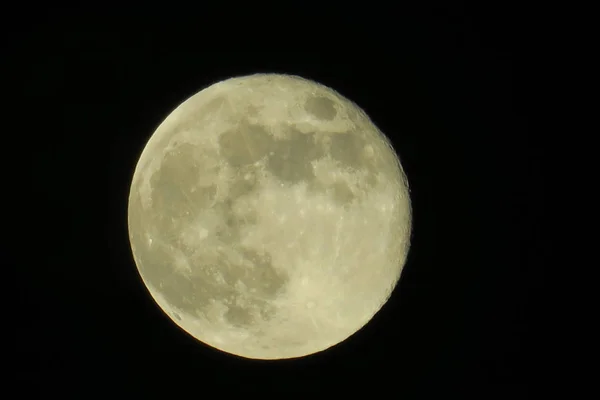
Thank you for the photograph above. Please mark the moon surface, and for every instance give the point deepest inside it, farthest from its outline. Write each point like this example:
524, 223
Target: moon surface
269, 217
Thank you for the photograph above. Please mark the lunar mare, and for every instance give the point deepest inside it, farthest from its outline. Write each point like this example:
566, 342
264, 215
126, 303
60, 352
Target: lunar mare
269, 217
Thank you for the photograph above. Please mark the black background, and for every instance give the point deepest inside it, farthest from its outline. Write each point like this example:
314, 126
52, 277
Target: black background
453, 87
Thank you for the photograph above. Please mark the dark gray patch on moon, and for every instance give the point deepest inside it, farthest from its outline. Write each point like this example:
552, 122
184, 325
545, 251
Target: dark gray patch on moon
245, 182
347, 149
230, 231
350, 151
213, 106
156, 266
245, 144
339, 191
211, 280
175, 194
262, 283
263, 277
238, 316
291, 159
320, 107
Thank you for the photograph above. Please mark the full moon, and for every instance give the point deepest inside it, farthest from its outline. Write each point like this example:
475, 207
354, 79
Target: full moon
269, 217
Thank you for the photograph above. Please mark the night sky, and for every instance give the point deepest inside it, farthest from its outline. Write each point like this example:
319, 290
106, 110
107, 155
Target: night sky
453, 87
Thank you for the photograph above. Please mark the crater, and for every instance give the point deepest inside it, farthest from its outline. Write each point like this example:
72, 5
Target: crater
321, 108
